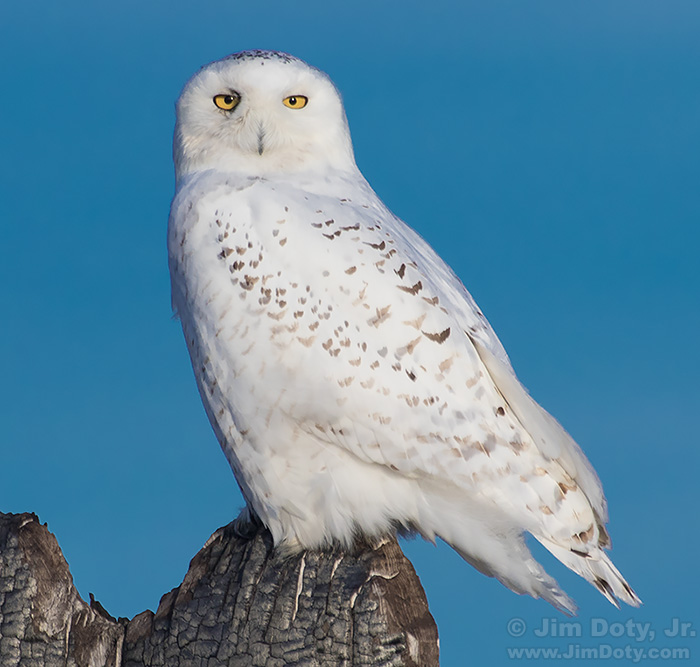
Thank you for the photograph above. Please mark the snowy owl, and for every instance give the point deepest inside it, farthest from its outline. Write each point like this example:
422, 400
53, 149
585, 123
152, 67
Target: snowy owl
352, 381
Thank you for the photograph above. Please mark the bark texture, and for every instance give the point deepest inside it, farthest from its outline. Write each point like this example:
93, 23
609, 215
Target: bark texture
241, 603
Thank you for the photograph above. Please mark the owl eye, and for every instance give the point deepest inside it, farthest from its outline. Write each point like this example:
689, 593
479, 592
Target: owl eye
295, 101
227, 102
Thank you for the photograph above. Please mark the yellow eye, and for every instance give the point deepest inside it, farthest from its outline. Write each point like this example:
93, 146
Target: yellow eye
227, 102
295, 101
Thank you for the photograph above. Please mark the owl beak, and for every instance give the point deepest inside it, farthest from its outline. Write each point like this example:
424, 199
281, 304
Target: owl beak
261, 137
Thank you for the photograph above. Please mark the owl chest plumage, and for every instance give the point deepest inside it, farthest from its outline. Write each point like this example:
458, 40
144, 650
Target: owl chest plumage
270, 275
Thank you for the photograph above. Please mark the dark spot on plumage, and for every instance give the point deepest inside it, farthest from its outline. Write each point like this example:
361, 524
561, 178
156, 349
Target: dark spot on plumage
382, 315
604, 587
225, 252
516, 446
583, 554
500, 411
603, 537
413, 289
376, 246
328, 223
317, 225
354, 227
585, 535
249, 282
401, 271
437, 337
351, 270
411, 375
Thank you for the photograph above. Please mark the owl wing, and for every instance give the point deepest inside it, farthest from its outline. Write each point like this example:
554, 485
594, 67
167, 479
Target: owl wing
453, 345
549, 436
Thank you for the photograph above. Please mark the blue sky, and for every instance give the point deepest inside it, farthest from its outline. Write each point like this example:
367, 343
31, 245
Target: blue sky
550, 152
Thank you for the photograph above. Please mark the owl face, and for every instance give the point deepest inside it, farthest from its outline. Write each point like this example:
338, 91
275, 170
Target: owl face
260, 112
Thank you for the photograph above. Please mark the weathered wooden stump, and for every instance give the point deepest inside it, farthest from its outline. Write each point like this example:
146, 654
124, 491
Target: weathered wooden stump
241, 603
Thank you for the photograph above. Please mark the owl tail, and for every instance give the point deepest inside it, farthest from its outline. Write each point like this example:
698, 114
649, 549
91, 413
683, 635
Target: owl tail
490, 542
522, 574
595, 567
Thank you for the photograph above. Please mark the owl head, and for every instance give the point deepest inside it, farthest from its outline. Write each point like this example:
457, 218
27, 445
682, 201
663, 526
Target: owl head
260, 112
